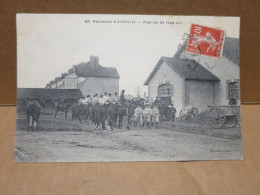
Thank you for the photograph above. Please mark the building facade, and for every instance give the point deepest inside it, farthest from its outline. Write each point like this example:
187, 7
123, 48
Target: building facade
185, 80
89, 77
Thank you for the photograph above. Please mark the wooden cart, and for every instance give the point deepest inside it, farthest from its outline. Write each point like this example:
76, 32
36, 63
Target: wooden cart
220, 115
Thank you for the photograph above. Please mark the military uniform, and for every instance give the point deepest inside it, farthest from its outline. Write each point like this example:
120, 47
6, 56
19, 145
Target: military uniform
138, 115
147, 113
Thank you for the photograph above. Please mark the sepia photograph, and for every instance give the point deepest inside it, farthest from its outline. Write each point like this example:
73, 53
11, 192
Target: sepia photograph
108, 88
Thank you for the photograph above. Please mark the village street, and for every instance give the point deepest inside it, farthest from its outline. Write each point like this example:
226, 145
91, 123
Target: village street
69, 141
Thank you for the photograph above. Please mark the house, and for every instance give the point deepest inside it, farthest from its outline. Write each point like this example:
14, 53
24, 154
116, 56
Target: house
185, 80
89, 77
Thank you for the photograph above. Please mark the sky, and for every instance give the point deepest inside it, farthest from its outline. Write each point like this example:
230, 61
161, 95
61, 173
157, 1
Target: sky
50, 44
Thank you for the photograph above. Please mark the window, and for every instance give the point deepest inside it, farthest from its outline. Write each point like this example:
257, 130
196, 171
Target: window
165, 90
233, 89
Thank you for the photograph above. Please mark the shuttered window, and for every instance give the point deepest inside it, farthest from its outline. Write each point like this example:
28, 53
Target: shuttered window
233, 89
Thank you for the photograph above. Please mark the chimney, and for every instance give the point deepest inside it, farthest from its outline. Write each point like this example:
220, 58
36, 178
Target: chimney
94, 61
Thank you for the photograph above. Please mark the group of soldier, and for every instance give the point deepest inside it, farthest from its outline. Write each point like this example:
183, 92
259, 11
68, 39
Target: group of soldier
146, 112
107, 98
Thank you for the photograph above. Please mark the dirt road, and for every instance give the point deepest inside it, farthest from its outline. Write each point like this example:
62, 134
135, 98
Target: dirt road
68, 141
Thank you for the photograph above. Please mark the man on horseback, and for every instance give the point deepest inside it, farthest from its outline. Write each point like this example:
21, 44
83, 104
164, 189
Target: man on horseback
115, 98
87, 100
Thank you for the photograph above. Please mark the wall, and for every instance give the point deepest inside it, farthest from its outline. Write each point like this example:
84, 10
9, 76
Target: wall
167, 74
93, 85
70, 81
224, 69
199, 94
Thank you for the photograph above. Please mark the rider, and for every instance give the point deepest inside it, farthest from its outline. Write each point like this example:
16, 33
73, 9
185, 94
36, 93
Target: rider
138, 115
87, 100
101, 100
123, 100
81, 100
116, 98
109, 99
95, 99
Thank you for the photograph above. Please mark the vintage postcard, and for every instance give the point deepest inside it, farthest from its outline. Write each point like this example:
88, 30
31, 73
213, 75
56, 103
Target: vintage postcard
102, 88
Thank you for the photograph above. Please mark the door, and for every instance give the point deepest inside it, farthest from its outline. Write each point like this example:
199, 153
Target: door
165, 93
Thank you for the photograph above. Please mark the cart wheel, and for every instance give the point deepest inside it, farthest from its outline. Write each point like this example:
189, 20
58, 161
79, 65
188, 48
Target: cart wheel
217, 118
231, 121
194, 111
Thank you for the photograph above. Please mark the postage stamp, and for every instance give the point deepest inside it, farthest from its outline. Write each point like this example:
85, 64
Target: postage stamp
205, 41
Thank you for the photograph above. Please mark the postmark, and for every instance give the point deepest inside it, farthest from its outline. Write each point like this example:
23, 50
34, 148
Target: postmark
205, 41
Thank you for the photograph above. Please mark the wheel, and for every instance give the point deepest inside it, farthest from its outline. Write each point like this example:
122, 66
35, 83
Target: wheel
217, 118
194, 111
231, 121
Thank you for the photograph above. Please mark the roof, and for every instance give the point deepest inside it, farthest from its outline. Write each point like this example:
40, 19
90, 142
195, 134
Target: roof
48, 93
188, 69
84, 69
231, 49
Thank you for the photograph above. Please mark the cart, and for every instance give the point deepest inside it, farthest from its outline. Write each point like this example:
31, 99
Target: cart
220, 115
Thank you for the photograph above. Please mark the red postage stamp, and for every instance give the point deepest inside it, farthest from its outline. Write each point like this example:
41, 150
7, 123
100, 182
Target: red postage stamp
205, 41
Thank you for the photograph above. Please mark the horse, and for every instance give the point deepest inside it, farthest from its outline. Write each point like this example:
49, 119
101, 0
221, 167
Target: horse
33, 111
112, 114
63, 106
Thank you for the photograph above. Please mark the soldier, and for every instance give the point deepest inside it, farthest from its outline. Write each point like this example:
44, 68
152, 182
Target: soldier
80, 100
86, 100
147, 101
172, 112
116, 98
123, 100
147, 113
105, 97
156, 101
122, 97
138, 115
95, 99
109, 98
156, 116
101, 100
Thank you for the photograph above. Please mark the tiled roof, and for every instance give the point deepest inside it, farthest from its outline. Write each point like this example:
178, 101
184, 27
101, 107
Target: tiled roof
23, 93
231, 49
84, 69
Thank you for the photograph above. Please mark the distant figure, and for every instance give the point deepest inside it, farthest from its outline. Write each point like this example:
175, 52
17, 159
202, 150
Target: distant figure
87, 100
105, 97
146, 101
116, 98
147, 113
95, 99
138, 115
122, 97
109, 99
172, 112
156, 101
81, 100
156, 116
101, 100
